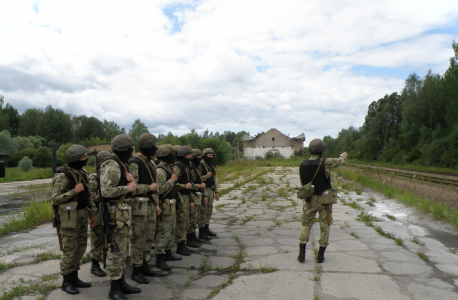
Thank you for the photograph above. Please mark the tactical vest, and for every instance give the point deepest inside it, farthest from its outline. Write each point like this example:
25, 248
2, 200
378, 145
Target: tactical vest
307, 170
173, 194
83, 197
122, 180
210, 182
186, 177
145, 171
197, 173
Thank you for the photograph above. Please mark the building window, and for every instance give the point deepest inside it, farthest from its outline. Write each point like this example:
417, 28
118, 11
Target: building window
263, 146
273, 139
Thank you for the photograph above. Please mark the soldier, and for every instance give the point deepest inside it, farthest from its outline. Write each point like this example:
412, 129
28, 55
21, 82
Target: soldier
145, 206
70, 195
184, 187
168, 197
322, 182
199, 196
97, 240
117, 185
211, 189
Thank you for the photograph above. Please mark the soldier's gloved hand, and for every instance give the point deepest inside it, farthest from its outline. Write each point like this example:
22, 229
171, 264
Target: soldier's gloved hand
158, 210
153, 187
208, 175
206, 200
174, 177
132, 186
79, 188
192, 205
188, 186
217, 197
93, 222
129, 177
202, 186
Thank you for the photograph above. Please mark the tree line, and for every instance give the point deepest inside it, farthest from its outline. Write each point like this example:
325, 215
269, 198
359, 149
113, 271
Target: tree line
32, 134
419, 125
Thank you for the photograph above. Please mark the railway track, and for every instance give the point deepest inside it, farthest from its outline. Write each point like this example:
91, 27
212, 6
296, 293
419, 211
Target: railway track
440, 178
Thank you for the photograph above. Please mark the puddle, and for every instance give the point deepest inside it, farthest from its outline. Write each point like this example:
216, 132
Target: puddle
11, 207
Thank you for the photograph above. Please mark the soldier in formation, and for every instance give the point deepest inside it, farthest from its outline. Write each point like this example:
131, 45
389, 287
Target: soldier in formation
317, 170
140, 197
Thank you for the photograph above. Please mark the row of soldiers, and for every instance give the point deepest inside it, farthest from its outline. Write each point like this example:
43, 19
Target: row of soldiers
164, 200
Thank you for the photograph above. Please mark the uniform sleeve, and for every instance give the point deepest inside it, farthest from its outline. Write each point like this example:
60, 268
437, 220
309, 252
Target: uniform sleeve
178, 172
93, 189
163, 185
332, 163
216, 187
141, 188
110, 174
195, 186
61, 192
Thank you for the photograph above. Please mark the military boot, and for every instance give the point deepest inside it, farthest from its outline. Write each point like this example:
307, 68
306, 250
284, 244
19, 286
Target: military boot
115, 292
137, 275
68, 287
208, 231
95, 269
196, 238
301, 256
161, 264
127, 289
190, 242
203, 235
320, 257
169, 256
148, 272
77, 282
181, 249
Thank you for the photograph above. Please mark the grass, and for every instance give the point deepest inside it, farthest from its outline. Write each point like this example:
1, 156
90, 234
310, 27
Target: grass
282, 192
205, 265
354, 235
15, 174
44, 287
345, 225
391, 217
417, 241
232, 221
35, 213
220, 206
46, 256
423, 256
236, 238
367, 218
316, 278
189, 278
438, 210
409, 166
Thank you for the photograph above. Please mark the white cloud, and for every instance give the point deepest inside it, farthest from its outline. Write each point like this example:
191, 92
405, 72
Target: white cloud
124, 61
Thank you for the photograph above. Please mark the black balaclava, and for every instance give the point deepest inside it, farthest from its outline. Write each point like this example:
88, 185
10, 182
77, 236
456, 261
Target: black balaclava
124, 155
208, 159
149, 152
184, 160
320, 154
169, 159
78, 165
197, 161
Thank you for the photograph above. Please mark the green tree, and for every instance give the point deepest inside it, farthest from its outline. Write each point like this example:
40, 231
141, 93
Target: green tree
30, 122
138, 128
450, 88
111, 129
13, 118
56, 124
85, 128
7, 143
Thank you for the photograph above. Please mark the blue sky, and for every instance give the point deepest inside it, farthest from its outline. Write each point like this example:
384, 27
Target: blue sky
298, 66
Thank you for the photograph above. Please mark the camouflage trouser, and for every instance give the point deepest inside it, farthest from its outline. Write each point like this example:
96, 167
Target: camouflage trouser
165, 234
210, 193
97, 238
193, 216
143, 231
182, 219
74, 241
116, 260
308, 218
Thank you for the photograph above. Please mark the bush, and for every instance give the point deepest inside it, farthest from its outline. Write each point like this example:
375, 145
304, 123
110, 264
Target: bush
15, 158
25, 164
42, 158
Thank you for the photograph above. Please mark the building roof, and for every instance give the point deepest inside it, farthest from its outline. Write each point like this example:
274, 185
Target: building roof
247, 138
300, 137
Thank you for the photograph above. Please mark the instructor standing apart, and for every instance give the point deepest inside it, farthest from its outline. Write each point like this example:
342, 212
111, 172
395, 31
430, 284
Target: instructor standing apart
317, 169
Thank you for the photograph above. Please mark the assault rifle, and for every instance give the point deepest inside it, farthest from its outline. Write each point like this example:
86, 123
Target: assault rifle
105, 218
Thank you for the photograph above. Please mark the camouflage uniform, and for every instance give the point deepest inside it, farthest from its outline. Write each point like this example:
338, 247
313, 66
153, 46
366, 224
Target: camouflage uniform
195, 213
143, 219
210, 193
97, 238
314, 206
183, 215
73, 229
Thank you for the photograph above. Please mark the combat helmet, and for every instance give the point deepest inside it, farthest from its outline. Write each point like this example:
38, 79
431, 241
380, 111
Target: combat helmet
195, 152
74, 153
317, 146
176, 148
122, 142
183, 150
208, 151
146, 140
164, 150
102, 155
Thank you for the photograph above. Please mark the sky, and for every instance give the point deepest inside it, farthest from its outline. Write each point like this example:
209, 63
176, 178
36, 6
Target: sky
295, 65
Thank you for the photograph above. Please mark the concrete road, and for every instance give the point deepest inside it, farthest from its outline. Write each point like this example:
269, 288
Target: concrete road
262, 223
